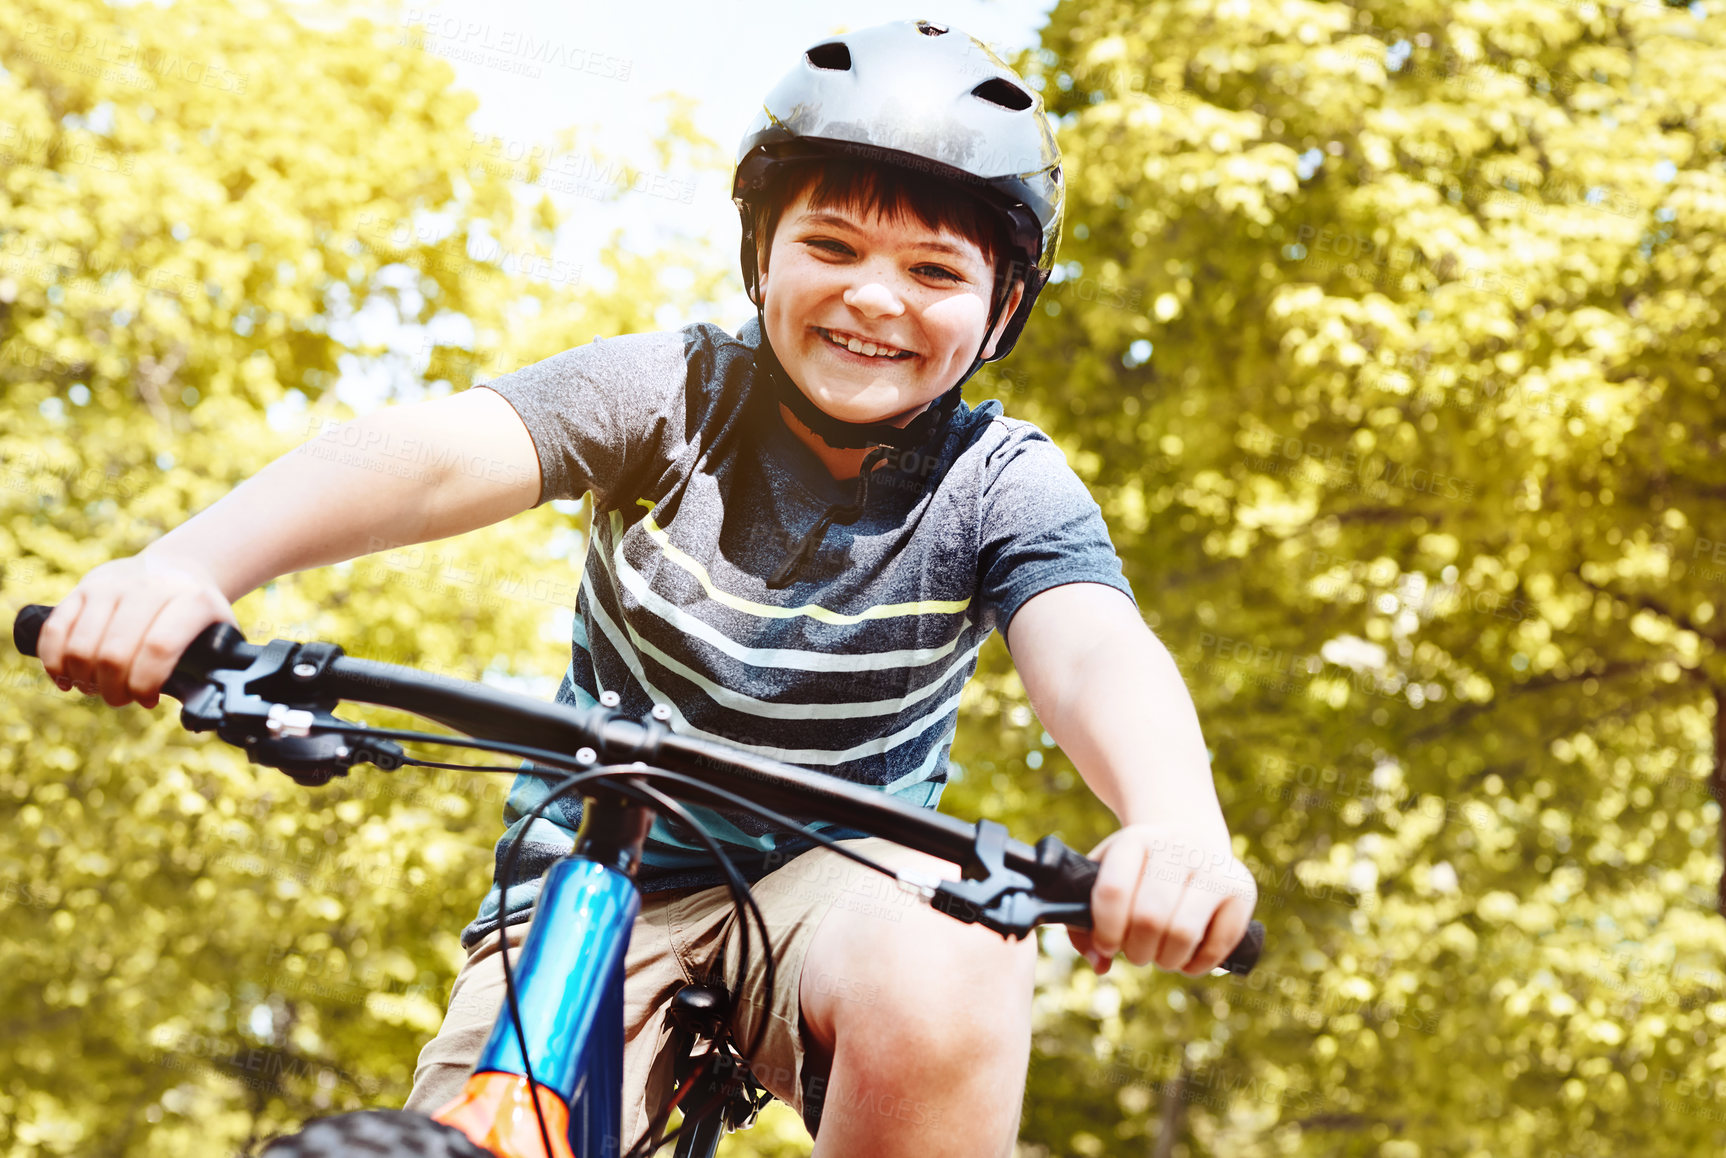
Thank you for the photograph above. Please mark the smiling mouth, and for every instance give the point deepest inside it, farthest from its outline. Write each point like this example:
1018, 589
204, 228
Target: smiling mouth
857, 345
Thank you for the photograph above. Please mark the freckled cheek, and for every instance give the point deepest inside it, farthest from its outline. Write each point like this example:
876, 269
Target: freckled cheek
956, 321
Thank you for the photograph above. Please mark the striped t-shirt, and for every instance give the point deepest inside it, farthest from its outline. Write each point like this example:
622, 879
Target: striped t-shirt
700, 492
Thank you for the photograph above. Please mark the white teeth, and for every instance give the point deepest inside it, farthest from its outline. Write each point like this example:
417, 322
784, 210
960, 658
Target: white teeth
859, 346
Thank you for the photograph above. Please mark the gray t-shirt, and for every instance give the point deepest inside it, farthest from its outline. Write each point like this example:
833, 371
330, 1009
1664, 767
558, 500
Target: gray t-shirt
700, 492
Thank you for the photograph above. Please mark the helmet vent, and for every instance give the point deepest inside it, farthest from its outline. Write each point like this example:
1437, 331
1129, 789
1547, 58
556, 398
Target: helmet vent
834, 57
1004, 93
928, 29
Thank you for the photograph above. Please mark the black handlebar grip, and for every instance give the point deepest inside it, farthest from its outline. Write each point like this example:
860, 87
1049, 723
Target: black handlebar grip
27, 628
1076, 874
218, 645
1244, 957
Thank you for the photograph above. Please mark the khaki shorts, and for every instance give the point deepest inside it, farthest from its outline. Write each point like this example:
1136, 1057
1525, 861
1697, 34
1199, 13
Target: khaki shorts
684, 936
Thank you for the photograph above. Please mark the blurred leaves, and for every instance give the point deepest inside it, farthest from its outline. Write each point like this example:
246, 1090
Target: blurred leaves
222, 227
1387, 336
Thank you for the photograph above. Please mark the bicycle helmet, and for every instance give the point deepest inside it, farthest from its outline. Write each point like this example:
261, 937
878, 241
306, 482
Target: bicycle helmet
932, 99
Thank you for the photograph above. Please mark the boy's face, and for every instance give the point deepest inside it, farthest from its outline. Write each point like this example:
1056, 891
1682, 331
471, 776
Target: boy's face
919, 296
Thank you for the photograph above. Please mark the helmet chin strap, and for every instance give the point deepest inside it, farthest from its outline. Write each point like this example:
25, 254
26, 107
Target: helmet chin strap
842, 435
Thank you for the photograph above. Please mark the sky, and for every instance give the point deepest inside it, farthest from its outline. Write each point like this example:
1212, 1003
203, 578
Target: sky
599, 66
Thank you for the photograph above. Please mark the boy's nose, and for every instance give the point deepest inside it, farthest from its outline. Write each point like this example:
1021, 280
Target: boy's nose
874, 299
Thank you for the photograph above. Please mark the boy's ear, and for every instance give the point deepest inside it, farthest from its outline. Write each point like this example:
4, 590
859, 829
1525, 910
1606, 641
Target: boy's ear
1013, 300
760, 271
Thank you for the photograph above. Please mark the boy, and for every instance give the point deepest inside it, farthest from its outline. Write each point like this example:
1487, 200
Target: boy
801, 538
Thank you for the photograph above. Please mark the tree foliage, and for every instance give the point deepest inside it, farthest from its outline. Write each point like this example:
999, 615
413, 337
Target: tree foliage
211, 215
1386, 334
1388, 339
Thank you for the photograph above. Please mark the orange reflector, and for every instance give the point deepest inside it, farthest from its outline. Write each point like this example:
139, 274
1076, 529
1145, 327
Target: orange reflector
494, 1111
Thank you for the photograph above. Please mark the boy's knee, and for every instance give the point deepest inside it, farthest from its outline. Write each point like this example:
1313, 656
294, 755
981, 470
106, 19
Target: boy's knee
955, 1004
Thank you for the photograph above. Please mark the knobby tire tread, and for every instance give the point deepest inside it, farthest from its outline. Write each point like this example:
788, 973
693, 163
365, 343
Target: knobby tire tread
376, 1134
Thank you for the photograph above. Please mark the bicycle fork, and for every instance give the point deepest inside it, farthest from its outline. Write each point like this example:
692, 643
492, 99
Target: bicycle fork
569, 989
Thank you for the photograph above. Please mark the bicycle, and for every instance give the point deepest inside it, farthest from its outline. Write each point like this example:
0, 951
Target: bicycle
548, 1083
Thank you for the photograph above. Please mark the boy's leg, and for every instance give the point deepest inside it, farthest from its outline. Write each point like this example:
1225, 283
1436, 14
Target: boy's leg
895, 1028
924, 1023
908, 1031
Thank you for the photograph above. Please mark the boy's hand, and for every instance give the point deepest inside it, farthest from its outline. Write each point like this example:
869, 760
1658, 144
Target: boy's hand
1163, 897
123, 628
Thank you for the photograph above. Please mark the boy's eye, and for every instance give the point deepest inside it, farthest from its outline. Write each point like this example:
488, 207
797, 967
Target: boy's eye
828, 245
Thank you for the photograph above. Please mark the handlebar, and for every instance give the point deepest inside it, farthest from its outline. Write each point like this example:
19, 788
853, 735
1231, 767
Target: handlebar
275, 702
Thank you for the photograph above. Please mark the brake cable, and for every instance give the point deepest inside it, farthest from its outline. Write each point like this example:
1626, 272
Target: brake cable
742, 899
740, 891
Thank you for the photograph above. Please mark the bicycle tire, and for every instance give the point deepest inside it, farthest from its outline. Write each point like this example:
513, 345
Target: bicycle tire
379, 1133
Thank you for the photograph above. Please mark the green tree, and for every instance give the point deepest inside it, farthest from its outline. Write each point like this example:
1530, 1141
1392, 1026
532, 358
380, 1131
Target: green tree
1387, 336
211, 216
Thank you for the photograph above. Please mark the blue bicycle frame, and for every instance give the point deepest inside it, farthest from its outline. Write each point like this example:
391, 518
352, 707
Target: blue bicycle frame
568, 986
569, 990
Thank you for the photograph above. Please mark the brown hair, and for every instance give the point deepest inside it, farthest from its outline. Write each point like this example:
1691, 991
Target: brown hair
853, 185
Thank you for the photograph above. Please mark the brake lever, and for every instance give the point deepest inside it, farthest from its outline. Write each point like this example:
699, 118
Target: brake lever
271, 710
990, 894
1007, 902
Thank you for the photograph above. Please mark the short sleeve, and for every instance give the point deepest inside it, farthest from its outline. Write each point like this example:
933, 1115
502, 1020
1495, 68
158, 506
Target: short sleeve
606, 416
1039, 528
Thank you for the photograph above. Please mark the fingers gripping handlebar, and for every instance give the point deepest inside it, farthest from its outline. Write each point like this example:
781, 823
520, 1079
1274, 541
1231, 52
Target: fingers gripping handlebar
276, 701
1074, 875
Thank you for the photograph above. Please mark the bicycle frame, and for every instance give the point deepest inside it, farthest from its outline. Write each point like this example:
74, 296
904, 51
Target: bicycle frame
569, 978
569, 986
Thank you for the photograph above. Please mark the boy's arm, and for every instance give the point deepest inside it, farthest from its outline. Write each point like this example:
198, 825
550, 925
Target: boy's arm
403, 474
1170, 889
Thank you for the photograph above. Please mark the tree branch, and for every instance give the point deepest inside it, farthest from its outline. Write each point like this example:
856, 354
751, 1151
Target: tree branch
1383, 515
1346, 1122
1717, 784
1170, 1112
